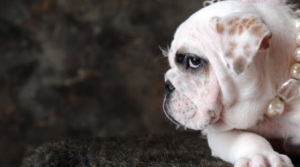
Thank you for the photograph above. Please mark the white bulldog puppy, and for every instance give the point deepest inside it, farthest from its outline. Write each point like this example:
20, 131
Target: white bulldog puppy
227, 62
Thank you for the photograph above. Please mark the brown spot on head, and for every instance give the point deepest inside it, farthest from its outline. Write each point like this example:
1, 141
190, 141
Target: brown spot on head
244, 21
233, 26
256, 30
239, 65
220, 28
232, 30
230, 50
241, 29
233, 21
250, 22
229, 54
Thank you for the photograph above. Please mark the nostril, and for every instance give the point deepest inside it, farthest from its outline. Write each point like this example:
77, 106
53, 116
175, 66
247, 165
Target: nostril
169, 86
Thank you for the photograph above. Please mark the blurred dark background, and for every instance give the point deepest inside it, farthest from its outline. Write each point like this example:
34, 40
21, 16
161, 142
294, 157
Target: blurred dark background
79, 69
73, 69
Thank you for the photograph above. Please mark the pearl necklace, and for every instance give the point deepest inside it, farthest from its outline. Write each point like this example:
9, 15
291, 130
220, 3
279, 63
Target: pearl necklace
291, 88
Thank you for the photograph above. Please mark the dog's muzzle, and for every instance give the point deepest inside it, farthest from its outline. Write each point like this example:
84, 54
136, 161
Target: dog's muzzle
182, 111
169, 89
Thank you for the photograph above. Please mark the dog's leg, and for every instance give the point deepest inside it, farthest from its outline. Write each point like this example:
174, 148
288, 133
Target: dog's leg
245, 149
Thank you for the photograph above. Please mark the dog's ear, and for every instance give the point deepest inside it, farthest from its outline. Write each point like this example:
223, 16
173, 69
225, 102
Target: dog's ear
242, 37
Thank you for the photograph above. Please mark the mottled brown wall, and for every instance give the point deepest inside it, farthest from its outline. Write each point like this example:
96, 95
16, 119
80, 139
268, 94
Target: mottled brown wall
82, 68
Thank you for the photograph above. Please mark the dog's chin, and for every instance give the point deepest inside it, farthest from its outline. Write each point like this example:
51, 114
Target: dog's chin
193, 124
183, 112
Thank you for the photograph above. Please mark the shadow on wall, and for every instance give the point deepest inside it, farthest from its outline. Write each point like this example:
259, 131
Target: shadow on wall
81, 69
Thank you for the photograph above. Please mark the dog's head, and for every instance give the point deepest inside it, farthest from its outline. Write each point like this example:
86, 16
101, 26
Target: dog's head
212, 61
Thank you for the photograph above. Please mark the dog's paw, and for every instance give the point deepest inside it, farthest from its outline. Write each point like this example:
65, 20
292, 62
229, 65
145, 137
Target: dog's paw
272, 159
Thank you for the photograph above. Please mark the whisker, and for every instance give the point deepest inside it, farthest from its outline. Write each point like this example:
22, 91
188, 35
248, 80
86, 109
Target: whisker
165, 51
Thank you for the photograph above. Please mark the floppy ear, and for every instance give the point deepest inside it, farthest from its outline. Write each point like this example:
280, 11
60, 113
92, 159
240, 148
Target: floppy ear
242, 37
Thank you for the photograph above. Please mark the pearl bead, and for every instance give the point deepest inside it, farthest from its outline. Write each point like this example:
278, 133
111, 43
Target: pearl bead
297, 54
276, 107
289, 90
298, 39
297, 24
295, 71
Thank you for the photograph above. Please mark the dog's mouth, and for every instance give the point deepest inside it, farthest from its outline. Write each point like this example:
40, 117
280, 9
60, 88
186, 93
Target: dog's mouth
183, 112
189, 101
169, 116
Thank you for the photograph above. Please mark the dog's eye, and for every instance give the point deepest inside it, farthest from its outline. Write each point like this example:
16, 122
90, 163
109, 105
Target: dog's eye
190, 60
179, 58
194, 62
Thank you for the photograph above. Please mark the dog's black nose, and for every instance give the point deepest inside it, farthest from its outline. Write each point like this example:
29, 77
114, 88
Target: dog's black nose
169, 86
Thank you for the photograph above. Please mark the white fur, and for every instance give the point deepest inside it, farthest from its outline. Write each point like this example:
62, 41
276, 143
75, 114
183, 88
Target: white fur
237, 100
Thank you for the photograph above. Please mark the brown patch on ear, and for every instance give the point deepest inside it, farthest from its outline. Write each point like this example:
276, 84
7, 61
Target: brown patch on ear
220, 28
256, 30
233, 21
232, 30
229, 54
233, 25
249, 22
244, 21
232, 45
239, 65
231, 48
241, 29
255, 36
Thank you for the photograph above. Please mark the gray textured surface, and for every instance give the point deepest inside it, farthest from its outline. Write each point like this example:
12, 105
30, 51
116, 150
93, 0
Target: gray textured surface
181, 150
